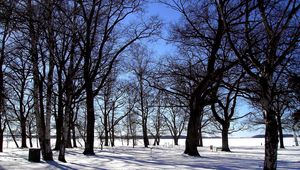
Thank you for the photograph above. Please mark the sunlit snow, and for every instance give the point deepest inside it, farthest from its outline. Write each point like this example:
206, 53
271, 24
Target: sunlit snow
247, 153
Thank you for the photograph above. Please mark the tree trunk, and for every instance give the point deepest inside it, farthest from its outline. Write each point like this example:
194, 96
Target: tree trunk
271, 141
30, 142
295, 134
74, 135
112, 127
69, 139
60, 116
112, 140
200, 136
105, 127
64, 139
49, 93
225, 145
30, 134
89, 144
145, 133
175, 140
23, 132
280, 132
192, 139
1, 139
58, 128
2, 94
22, 117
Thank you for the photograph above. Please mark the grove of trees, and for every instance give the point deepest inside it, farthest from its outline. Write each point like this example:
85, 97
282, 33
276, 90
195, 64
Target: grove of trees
83, 70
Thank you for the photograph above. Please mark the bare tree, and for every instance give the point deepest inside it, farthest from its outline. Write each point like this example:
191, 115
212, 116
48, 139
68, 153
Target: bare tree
18, 96
266, 34
140, 66
199, 36
176, 118
6, 24
102, 45
227, 113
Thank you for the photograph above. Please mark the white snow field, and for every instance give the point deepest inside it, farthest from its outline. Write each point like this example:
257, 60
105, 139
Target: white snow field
247, 153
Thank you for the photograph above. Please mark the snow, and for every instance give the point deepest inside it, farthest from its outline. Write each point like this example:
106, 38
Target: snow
247, 153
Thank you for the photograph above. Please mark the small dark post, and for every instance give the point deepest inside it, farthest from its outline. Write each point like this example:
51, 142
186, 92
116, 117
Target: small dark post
34, 155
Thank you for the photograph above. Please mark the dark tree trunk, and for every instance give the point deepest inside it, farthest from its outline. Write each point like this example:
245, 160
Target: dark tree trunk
106, 134
295, 134
112, 140
1, 140
22, 117
60, 110
69, 139
59, 124
23, 132
175, 140
225, 144
49, 91
200, 136
89, 144
2, 94
30, 135
74, 135
62, 150
145, 133
192, 139
271, 141
112, 127
280, 132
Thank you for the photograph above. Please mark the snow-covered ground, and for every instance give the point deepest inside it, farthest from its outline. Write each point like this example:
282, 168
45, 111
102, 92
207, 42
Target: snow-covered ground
247, 153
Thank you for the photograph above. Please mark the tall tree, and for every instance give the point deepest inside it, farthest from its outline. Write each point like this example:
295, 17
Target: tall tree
102, 45
176, 117
227, 103
18, 87
140, 65
264, 36
199, 37
34, 31
6, 8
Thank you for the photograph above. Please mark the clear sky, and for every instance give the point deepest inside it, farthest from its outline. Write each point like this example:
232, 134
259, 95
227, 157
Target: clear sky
160, 47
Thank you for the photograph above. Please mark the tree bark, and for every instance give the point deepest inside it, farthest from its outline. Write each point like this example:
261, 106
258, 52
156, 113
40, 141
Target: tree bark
112, 140
1, 140
69, 138
271, 141
22, 117
145, 133
200, 136
144, 114
2, 92
74, 135
175, 140
192, 139
23, 132
295, 134
49, 93
105, 119
225, 144
60, 116
89, 144
280, 132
